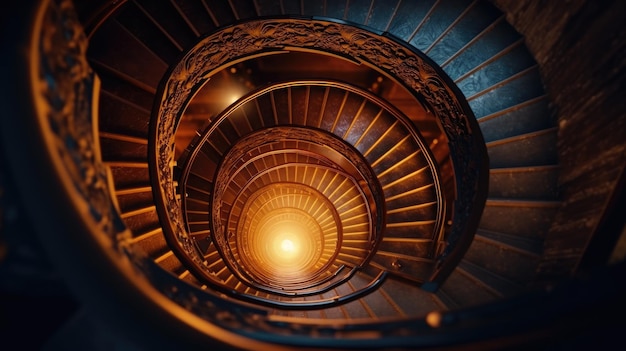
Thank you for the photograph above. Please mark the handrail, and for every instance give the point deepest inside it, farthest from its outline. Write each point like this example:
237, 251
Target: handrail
323, 303
418, 74
303, 305
192, 154
306, 291
363, 171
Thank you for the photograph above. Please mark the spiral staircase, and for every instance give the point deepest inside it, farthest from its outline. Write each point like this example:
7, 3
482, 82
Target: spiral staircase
315, 174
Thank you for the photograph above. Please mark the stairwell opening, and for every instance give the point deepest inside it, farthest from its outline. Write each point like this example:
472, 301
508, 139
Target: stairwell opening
332, 149
351, 43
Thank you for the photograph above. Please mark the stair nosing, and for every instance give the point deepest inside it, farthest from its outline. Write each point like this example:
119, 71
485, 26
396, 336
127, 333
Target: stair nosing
123, 76
521, 137
513, 108
523, 169
469, 269
527, 242
503, 82
508, 202
472, 41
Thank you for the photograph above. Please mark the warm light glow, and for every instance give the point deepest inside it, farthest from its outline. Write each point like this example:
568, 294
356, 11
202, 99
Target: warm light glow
287, 245
280, 240
233, 97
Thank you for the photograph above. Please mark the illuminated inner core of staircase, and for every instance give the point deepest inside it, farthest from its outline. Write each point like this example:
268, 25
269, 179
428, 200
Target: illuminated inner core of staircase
286, 243
284, 205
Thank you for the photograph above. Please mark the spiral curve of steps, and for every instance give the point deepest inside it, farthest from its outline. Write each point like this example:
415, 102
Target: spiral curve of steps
133, 44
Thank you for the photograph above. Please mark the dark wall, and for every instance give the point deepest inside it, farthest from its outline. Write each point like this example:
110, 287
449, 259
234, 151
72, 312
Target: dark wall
581, 49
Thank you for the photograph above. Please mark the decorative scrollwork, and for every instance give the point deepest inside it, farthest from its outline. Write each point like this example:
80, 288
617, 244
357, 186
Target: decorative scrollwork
67, 92
405, 65
363, 179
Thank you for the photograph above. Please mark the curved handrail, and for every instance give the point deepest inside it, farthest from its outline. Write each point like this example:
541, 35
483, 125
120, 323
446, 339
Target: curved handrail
324, 303
192, 154
384, 52
304, 305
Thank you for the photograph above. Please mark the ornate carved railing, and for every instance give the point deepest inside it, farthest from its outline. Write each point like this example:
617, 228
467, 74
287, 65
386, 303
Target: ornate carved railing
411, 69
67, 189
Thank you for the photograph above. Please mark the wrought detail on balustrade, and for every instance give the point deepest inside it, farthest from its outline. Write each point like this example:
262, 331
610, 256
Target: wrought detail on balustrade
240, 152
408, 67
65, 88
66, 91
372, 195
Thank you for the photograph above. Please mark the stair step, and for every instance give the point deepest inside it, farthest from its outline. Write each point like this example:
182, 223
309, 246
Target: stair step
126, 176
511, 230
141, 220
223, 272
409, 267
121, 137
336, 9
476, 17
377, 15
118, 117
195, 15
134, 190
523, 218
444, 299
459, 290
348, 259
199, 226
191, 279
129, 199
184, 275
406, 247
354, 309
243, 9
507, 66
121, 86
355, 127
211, 254
171, 21
150, 208
538, 182
494, 282
530, 116
354, 108
410, 178
524, 245
511, 265
152, 242
148, 34
513, 91
221, 12
409, 298
127, 54
268, 8
532, 149
492, 42
435, 22
170, 263
153, 246
115, 149
415, 230
358, 11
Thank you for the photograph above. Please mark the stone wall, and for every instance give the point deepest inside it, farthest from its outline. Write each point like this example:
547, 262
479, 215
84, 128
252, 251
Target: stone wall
581, 49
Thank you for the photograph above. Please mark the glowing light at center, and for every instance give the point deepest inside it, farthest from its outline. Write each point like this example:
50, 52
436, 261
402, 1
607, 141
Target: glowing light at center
287, 245
284, 244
